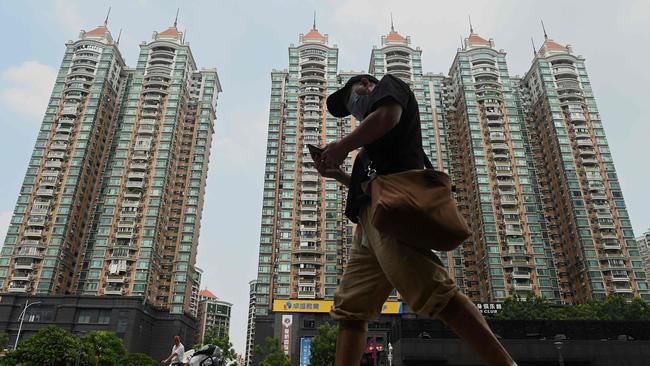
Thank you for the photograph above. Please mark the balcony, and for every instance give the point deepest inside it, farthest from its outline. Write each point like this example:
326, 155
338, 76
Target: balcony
130, 194
589, 161
25, 276
503, 173
308, 218
513, 232
130, 203
53, 164
138, 166
33, 232
136, 175
59, 146
306, 294
69, 111
522, 286
584, 142
520, 274
36, 221
113, 291
19, 288
306, 272
24, 265
499, 147
64, 129
115, 279
310, 178
135, 184
623, 290
148, 114
146, 129
309, 188
29, 252
611, 245
608, 235
122, 234
497, 137
40, 209
128, 213
56, 154
598, 195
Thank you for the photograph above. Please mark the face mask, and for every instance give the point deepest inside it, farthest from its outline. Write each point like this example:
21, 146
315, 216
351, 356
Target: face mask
358, 105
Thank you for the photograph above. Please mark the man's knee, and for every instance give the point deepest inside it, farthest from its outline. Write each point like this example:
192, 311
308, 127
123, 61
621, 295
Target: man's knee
353, 325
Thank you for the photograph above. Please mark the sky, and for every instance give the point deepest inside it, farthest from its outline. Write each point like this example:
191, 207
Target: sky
245, 40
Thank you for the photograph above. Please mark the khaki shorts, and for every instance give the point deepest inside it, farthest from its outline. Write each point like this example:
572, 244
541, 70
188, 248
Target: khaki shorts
377, 264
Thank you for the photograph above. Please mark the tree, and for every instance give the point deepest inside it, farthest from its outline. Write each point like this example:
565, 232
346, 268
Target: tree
323, 346
51, 346
273, 353
104, 348
4, 339
218, 337
611, 308
137, 359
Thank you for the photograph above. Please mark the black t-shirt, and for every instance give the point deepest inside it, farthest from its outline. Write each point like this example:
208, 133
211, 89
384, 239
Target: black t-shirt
398, 150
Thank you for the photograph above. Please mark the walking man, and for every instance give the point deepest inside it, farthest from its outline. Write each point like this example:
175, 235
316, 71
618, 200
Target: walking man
392, 142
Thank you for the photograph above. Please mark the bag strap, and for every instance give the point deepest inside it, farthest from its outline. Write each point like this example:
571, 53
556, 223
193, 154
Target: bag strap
427, 162
428, 165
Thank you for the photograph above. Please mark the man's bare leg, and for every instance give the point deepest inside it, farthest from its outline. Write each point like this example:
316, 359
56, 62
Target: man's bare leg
350, 342
468, 323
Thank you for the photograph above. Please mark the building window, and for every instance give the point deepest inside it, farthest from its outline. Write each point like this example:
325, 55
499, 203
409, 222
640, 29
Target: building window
104, 317
84, 317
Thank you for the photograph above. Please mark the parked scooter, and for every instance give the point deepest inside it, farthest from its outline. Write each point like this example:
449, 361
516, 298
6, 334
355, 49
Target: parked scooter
208, 355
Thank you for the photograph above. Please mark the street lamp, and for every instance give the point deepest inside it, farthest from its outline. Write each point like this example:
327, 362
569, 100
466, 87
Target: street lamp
22, 318
558, 346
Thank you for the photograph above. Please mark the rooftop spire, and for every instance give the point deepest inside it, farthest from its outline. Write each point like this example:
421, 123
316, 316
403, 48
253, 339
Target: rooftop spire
176, 19
544, 28
534, 48
471, 29
392, 26
106, 20
119, 36
314, 27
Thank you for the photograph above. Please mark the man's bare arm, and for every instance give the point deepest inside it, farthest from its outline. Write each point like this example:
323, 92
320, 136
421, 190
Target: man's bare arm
374, 126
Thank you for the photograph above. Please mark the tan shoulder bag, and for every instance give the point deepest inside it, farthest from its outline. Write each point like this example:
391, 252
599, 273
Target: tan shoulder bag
417, 207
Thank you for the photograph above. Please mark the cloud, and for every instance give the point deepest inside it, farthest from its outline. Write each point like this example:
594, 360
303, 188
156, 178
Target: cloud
5, 216
26, 88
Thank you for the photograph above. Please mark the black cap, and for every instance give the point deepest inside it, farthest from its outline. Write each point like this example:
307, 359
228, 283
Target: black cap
337, 102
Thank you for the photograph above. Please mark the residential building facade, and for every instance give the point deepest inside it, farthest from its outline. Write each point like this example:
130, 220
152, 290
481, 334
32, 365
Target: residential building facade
588, 224
113, 196
213, 313
304, 240
643, 242
250, 325
533, 174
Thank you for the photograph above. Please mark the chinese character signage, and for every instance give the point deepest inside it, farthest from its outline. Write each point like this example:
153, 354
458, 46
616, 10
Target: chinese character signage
324, 306
489, 308
305, 351
287, 321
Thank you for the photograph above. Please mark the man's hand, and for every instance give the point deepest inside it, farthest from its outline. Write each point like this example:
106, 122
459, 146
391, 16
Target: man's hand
334, 154
334, 173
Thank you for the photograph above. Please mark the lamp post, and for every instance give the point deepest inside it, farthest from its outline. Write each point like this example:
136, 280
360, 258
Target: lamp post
22, 318
558, 346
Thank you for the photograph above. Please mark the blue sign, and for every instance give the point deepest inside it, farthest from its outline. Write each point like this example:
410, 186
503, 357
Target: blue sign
305, 351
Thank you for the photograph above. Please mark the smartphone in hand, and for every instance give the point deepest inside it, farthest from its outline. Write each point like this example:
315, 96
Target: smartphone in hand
315, 152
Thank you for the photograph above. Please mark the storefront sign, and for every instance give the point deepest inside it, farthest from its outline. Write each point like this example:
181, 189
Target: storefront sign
324, 306
305, 351
287, 321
